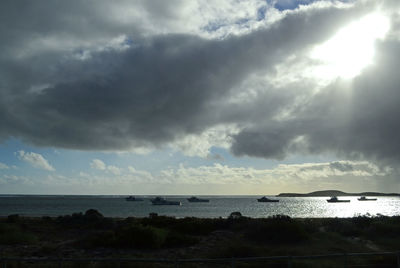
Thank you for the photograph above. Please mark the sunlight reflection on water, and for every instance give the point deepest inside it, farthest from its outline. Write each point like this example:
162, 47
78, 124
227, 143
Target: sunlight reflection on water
116, 206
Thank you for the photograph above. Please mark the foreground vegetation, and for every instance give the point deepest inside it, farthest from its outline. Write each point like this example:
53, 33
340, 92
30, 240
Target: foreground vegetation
91, 235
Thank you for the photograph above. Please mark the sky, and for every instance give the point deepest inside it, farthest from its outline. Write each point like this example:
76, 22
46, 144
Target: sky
199, 97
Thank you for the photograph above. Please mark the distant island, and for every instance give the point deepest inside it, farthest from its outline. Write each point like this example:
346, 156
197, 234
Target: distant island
335, 193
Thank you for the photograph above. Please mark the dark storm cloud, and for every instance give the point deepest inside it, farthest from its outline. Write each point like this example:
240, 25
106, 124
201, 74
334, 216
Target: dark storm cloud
158, 89
150, 90
75, 22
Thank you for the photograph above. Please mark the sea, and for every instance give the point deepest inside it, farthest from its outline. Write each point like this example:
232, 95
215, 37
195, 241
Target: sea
219, 206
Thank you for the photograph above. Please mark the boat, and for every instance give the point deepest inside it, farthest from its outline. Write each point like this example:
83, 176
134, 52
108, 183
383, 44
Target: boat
363, 198
132, 198
334, 199
197, 200
163, 201
265, 199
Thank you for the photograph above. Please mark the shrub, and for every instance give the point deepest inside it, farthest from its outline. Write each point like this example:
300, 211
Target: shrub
342, 226
91, 219
362, 222
140, 237
310, 225
386, 229
159, 221
93, 215
197, 226
237, 250
174, 239
11, 235
47, 219
13, 218
100, 239
235, 215
278, 229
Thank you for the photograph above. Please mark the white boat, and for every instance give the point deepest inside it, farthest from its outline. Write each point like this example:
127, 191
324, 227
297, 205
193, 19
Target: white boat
162, 201
334, 199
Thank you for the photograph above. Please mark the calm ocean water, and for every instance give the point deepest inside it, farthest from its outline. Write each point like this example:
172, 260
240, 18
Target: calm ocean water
219, 206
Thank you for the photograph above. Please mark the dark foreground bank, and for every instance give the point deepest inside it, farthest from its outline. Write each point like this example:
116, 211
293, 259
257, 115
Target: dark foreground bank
90, 235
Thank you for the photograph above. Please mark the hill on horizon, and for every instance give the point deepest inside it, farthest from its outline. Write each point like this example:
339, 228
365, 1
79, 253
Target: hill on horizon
335, 193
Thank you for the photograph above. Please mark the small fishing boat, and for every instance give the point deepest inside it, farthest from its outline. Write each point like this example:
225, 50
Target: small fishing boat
196, 199
163, 201
132, 198
363, 198
334, 199
266, 199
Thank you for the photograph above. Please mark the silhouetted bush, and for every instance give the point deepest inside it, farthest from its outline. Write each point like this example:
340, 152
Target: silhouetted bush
237, 250
100, 239
47, 218
141, 237
138, 237
362, 222
342, 226
310, 225
13, 218
197, 226
385, 229
159, 221
11, 235
91, 219
188, 225
235, 215
175, 239
277, 229
93, 215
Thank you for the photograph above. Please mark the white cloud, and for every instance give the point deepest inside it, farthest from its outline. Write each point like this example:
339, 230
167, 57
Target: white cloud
282, 174
15, 180
114, 170
216, 179
140, 173
35, 160
84, 174
200, 144
3, 166
98, 164
326, 173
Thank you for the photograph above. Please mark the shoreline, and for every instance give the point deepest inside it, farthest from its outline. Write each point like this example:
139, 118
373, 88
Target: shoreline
39, 217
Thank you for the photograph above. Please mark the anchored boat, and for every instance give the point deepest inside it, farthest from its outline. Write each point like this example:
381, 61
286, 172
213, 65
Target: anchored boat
163, 201
132, 198
363, 198
196, 199
334, 199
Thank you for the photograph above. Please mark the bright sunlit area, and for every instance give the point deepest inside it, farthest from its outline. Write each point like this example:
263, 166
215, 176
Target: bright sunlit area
351, 49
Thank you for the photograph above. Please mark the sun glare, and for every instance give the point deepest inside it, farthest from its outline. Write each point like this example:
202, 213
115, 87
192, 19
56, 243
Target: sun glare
351, 48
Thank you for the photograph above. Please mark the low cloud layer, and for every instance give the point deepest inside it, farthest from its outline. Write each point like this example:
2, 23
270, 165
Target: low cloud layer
326, 173
3, 166
212, 179
93, 77
100, 165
